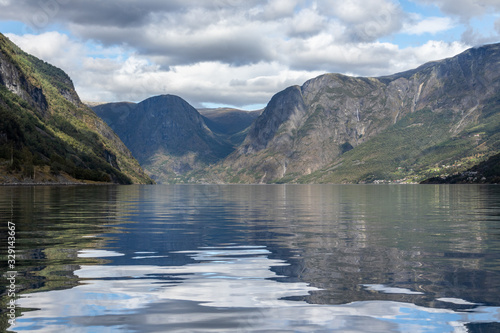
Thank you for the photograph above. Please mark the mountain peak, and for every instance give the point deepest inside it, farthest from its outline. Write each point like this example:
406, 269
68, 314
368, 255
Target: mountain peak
166, 134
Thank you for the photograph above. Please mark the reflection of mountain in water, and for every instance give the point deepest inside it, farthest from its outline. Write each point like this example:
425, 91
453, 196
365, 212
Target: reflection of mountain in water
431, 239
52, 225
339, 244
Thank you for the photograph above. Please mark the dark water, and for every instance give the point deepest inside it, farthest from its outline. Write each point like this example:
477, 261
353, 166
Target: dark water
287, 258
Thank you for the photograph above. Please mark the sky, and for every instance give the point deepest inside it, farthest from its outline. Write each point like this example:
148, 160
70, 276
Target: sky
238, 53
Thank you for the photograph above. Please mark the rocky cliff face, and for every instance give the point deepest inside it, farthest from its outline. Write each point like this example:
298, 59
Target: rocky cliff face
166, 134
12, 78
49, 133
335, 125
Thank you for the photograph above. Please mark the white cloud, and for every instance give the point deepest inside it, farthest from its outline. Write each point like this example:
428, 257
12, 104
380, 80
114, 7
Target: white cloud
413, 57
47, 45
430, 25
307, 22
54, 47
135, 77
277, 9
465, 9
231, 51
365, 21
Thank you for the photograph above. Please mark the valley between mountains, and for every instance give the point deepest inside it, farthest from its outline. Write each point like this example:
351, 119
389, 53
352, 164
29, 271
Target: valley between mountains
437, 121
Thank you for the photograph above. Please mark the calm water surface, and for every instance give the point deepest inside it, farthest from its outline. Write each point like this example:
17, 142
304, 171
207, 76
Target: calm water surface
287, 258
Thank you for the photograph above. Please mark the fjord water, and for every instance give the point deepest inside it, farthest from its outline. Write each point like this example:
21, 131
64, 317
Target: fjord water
245, 258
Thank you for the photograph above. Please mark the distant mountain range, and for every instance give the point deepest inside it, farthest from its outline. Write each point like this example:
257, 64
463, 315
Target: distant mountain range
440, 119
47, 135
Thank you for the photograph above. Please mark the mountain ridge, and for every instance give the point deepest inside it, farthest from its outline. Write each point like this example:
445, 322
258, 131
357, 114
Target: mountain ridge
441, 117
310, 133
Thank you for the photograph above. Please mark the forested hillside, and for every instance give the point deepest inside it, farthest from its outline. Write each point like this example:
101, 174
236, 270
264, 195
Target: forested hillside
47, 134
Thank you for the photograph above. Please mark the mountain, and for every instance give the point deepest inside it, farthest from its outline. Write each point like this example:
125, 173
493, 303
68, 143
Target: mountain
167, 135
47, 134
440, 117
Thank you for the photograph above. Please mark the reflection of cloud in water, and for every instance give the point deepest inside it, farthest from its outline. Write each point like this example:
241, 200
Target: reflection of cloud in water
455, 301
98, 254
228, 289
390, 290
224, 277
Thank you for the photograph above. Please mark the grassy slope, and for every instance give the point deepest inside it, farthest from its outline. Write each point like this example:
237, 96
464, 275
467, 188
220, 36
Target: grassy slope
486, 172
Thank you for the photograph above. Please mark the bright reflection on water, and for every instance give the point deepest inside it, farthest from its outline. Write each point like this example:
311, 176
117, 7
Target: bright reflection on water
298, 258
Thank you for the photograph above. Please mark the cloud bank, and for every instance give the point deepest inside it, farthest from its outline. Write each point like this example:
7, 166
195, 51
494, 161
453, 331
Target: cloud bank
235, 52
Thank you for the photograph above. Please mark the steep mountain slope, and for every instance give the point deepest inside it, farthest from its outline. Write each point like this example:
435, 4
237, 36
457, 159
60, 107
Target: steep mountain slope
47, 134
166, 134
404, 127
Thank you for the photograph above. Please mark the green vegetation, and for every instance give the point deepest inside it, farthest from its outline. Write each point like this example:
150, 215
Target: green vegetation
47, 133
